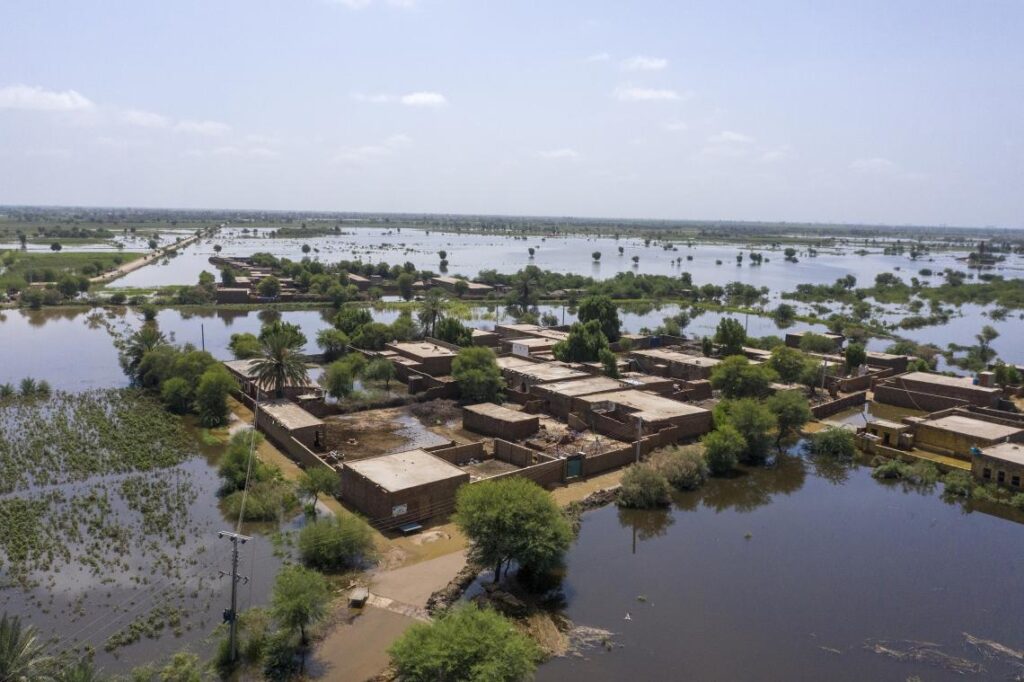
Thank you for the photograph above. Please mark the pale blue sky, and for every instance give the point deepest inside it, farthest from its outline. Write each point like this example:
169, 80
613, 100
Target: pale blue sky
880, 112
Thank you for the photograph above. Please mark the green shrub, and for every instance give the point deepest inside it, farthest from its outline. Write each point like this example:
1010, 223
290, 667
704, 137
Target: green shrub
834, 442
176, 394
644, 487
957, 484
334, 544
266, 501
723, 448
683, 467
466, 643
890, 469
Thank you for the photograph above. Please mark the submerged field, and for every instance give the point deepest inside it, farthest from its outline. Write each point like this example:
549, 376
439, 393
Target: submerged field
109, 510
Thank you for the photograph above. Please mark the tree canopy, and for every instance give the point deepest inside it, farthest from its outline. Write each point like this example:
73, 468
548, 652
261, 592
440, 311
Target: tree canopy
602, 309
466, 643
512, 519
585, 343
476, 370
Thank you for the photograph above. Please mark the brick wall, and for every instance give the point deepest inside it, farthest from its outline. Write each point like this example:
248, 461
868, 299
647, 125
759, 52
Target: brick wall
927, 402
830, 408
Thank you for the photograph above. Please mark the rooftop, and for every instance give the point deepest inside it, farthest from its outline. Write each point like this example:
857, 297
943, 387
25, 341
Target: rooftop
244, 368
513, 361
888, 424
677, 356
404, 470
943, 380
1007, 452
498, 412
647, 406
546, 372
422, 350
535, 341
578, 387
470, 285
289, 415
975, 428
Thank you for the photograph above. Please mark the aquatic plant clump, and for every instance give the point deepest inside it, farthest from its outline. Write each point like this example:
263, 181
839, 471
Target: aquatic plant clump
69, 438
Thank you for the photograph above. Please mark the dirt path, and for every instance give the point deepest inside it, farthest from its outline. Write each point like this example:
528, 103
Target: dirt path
134, 265
358, 650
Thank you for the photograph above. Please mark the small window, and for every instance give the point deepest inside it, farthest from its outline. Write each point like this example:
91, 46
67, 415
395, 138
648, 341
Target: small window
1000, 477
987, 473
1015, 481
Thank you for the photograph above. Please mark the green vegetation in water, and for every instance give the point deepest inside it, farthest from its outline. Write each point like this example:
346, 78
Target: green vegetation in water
72, 437
23, 267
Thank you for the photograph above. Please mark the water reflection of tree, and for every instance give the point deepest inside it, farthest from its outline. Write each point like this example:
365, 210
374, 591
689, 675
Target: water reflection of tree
269, 315
750, 488
831, 469
647, 523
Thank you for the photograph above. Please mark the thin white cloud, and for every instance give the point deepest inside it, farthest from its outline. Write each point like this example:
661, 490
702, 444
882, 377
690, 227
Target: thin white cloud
233, 151
597, 57
143, 119
561, 153
875, 166
363, 4
423, 99
676, 126
210, 128
730, 137
775, 154
373, 152
643, 63
35, 98
632, 94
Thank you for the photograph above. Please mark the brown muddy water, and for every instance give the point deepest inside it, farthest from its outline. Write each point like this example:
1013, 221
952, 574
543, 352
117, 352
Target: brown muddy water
798, 572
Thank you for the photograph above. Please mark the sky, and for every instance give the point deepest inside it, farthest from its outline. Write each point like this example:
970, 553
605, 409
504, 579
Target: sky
888, 112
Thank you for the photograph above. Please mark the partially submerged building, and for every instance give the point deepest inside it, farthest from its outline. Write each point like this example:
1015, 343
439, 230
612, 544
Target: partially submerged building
958, 433
931, 392
1002, 464
521, 377
401, 488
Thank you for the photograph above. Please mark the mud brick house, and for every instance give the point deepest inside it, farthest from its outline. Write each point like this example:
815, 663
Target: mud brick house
401, 488
494, 420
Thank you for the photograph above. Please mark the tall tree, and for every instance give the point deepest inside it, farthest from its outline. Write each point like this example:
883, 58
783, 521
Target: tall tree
432, 308
299, 601
602, 309
512, 519
280, 364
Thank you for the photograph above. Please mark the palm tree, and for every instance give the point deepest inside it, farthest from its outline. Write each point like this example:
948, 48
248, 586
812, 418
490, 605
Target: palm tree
138, 344
432, 308
280, 364
21, 654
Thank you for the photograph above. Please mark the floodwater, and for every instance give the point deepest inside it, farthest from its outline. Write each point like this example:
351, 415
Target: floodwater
469, 253
791, 573
72, 348
79, 608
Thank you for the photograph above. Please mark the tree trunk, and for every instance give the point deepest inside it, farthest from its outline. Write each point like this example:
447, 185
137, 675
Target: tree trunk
497, 571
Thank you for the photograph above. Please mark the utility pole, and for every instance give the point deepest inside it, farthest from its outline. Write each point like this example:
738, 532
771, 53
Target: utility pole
639, 437
231, 615
202, 334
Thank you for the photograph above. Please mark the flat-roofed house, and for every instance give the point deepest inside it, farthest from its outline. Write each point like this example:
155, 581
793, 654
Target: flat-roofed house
283, 419
494, 420
958, 433
244, 372
401, 488
655, 412
931, 392
1002, 463
426, 357
559, 396
675, 364
473, 289
522, 377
